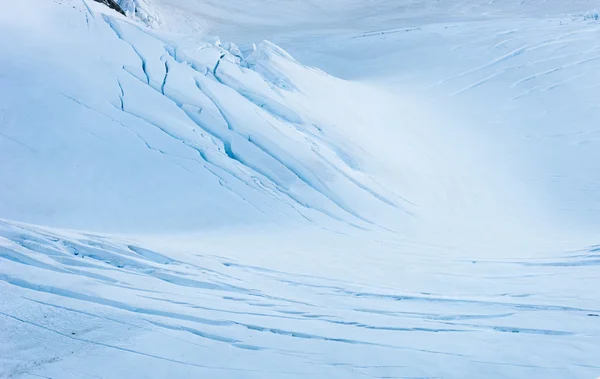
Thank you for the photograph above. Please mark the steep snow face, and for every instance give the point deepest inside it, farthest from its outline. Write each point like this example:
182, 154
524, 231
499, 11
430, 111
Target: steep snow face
520, 75
528, 83
517, 78
206, 135
149, 131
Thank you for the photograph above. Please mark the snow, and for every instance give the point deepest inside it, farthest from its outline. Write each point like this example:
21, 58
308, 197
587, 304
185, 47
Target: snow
94, 305
387, 189
217, 139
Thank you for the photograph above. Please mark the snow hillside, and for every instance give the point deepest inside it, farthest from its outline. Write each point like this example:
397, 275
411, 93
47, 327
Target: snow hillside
522, 73
173, 204
81, 304
188, 125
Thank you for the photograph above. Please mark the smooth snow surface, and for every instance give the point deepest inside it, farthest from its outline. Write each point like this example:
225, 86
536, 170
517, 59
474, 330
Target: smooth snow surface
173, 204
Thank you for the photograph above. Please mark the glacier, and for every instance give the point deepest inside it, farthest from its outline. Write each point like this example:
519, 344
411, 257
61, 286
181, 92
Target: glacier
384, 189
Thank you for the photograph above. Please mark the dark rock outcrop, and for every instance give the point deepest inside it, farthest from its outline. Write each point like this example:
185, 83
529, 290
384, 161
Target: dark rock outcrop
112, 4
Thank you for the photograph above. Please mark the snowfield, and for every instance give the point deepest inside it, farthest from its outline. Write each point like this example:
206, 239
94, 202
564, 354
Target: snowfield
387, 189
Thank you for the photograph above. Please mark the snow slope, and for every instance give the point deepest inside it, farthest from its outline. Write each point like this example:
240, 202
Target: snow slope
175, 205
77, 305
519, 72
182, 123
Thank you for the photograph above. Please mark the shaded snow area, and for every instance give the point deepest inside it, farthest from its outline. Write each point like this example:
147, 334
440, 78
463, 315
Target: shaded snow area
77, 305
389, 189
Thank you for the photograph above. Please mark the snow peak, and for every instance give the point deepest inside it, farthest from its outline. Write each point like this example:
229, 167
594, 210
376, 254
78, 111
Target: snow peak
113, 5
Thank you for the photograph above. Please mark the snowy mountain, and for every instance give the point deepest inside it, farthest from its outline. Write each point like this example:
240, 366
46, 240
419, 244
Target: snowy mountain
398, 189
186, 124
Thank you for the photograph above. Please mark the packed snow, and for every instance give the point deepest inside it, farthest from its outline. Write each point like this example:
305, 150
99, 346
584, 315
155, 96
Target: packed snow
343, 189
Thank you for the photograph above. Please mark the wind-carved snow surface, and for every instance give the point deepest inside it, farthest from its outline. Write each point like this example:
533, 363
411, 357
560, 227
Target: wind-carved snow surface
176, 206
81, 304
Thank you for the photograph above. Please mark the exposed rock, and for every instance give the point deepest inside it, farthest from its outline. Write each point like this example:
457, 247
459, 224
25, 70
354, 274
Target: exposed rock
113, 5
